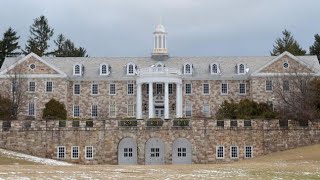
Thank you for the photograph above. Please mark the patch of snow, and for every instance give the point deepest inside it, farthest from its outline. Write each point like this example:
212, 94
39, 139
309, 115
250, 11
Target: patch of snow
35, 159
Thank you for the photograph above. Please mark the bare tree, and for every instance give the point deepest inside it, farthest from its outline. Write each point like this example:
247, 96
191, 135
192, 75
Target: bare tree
15, 88
296, 95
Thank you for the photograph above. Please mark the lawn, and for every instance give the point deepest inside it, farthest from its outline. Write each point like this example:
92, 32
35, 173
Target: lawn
300, 163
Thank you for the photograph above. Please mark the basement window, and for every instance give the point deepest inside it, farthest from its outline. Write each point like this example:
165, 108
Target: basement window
248, 151
61, 152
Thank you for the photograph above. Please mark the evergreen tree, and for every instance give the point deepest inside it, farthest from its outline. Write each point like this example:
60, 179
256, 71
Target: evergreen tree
41, 33
315, 48
9, 44
287, 43
66, 48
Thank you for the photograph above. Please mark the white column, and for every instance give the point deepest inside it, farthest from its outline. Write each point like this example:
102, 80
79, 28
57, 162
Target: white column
151, 113
166, 100
139, 102
178, 100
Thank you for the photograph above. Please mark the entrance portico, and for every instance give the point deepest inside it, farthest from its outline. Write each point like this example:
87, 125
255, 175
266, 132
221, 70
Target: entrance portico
164, 75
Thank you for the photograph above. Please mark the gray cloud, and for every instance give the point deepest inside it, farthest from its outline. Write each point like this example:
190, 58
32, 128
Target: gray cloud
195, 27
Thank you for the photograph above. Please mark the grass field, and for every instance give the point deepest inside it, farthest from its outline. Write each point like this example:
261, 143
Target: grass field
301, 163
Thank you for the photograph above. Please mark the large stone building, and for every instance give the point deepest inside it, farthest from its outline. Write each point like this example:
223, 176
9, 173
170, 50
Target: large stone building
159, 86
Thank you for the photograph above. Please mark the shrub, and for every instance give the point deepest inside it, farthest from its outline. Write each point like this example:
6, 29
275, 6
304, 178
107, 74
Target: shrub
54, 110
245, 109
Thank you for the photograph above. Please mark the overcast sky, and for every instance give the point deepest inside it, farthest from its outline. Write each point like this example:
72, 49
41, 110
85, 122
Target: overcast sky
195, 27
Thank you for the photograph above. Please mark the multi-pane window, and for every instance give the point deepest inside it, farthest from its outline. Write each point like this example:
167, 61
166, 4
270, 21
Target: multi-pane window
94, 111
77, 69
155, 152
95, 89
159, 88
75, 152
219, 152
127, 152
76, 111
234, 152
188, 109
112, 110
188, 88
130, 69
130, 110
241, 69
104, 69
130, 88
286, 85
206, 110
224, 88
206, 88
182, 152
147, 88
170, 87
187, 69
242, 88
89, 152
76, 89
214, 69
31, 109
49, 86
112, 89
248, 151
61, 152
32, 86
268, 85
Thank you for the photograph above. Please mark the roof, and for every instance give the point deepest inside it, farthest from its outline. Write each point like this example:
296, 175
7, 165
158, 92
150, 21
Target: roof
200, 66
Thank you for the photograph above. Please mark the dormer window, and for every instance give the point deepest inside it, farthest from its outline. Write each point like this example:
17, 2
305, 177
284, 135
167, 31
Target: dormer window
241, 68
187, 68
131, 69
77, 70
104, 69
214, 68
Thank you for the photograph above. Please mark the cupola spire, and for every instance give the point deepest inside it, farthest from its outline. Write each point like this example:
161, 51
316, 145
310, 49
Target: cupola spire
160, 41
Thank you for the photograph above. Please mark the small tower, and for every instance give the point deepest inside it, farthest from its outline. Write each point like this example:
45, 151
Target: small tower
160, 51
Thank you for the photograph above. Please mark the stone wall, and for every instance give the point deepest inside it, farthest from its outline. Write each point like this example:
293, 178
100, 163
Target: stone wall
265, 136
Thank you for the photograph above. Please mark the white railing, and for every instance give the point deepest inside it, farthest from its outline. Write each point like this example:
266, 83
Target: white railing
158, 71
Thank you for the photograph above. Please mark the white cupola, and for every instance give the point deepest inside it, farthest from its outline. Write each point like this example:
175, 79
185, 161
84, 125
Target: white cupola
160, 41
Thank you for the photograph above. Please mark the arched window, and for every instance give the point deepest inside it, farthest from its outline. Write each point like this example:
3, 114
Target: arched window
160, 42
241, 69
164, 42
77, 71
131, 69
155, 42
187, 68
104, 69
214, 69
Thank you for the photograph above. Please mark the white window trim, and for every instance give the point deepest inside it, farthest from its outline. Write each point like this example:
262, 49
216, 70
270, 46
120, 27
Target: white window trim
97, 89
227, 89
244, 68
184, 68
237, 152
115, 110
169, 89
245, 89
46, 87
208, 89
286, 67
35, 87
134, 69
85, 153
133, 110
265, 85
218, 69
79, 89
115, 89
74, 69
63, 153
223, 153
128, 89
244, 153
107, 69
203, 110
73, 111
185, 111
185, 89
72, 152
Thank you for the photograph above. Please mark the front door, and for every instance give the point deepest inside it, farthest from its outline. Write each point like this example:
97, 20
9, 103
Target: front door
159, 112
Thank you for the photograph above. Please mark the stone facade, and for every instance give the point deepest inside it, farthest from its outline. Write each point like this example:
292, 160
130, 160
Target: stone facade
264, 136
